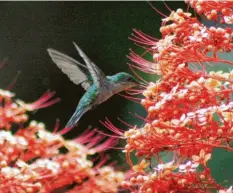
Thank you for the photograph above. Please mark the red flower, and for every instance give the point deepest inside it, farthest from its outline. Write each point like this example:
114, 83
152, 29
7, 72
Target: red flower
35, 160
189, 109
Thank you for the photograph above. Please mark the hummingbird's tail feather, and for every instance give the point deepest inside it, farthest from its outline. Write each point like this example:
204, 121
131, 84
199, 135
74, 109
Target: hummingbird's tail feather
75, 117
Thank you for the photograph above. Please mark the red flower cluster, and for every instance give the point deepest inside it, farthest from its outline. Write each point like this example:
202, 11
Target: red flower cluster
190, 110
214, 9
35, 160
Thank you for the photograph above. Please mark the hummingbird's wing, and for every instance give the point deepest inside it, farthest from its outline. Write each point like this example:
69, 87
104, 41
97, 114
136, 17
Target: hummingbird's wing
97, 75
76, 71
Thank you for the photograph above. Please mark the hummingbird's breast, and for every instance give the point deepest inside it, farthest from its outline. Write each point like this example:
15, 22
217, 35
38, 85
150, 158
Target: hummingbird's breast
104, 95
106, 92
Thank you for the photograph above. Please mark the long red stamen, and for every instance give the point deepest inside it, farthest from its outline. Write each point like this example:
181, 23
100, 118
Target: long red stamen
162, 14
110, 126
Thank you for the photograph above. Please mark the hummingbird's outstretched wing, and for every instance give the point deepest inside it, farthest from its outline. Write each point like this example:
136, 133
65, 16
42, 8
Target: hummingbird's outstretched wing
77, 72
98, 76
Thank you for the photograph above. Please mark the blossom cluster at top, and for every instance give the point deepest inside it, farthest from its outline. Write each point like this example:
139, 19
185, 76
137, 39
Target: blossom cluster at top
214, 10
34, 160
190, 110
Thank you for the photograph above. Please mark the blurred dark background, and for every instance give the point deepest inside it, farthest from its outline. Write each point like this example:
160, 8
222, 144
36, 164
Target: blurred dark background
101, 29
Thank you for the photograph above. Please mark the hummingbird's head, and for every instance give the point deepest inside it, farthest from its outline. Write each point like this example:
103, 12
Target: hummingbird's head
123, 80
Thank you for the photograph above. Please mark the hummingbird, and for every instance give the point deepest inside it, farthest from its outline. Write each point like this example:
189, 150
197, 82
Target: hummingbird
99, 87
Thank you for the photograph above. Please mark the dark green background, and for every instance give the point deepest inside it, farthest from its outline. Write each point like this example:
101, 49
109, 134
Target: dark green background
102, 29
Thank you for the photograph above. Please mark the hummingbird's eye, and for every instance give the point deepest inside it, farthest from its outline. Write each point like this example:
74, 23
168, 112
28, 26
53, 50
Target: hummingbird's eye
128, 78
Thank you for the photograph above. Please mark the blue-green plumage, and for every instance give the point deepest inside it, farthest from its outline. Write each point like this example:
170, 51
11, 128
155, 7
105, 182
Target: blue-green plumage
87, 101
98, 87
